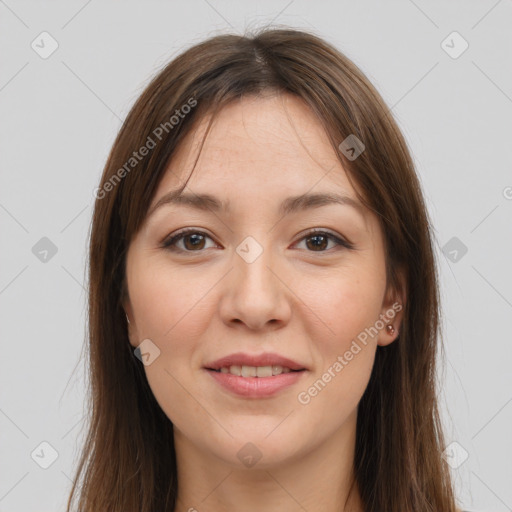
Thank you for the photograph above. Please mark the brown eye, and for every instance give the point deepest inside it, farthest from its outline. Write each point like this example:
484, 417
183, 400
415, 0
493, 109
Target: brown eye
193, 241
196, 241
317, 241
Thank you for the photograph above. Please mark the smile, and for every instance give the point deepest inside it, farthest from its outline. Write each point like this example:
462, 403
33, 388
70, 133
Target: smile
255, 371
255, 382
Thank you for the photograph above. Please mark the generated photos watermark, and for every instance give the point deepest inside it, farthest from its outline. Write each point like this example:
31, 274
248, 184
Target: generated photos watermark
145, 149
304, 397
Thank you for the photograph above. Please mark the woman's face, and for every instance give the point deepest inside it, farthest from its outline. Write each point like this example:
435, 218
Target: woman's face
252, 279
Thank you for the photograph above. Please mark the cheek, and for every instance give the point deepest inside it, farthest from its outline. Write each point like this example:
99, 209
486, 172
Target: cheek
173, 309
169, 303
341, 305
347, 309
170, 310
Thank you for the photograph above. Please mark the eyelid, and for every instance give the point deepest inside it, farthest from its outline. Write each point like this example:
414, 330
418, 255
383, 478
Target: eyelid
180, 234
341, 242
339, 239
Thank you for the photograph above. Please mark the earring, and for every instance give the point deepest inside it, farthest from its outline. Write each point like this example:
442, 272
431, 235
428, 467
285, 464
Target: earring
127, 319
390, 329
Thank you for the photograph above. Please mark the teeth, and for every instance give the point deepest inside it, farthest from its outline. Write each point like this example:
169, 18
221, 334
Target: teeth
277, 370
263, 371
255, 371
249, 371
235, 370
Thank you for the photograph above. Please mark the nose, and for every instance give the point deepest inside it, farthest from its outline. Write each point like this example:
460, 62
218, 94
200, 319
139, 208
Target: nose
255, 294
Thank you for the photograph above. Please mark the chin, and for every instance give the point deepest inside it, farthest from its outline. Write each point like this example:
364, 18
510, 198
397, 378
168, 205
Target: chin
263, 450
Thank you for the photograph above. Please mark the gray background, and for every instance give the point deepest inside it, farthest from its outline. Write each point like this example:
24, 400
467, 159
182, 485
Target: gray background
59, 116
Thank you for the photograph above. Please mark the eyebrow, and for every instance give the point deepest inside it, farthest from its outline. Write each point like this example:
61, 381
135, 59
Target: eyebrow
290, 205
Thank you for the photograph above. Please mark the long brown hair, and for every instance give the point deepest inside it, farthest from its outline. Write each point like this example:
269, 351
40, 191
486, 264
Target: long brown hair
128, 462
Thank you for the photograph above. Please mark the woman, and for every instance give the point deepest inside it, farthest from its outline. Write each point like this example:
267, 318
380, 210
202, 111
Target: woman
263, 304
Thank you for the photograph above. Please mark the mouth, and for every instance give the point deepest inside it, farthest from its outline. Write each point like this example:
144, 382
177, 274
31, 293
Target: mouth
266, 364
254, 376
255, 371
255, 382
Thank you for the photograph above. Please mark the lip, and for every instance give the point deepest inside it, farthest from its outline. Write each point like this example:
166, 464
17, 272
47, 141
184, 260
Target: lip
255, 387
265, 359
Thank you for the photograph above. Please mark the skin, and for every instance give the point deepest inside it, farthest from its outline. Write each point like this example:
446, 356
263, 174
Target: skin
299, 301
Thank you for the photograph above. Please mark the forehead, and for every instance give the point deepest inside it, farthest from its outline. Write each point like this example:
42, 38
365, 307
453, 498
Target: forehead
267, 146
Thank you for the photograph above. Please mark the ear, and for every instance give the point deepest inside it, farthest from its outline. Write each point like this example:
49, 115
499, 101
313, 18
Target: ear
392, 311
131, 326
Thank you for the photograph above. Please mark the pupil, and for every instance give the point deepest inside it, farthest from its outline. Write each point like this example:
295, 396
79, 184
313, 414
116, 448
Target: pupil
316, 244
197, 239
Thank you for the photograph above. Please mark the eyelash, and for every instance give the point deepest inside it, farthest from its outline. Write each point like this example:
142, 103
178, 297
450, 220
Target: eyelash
170, 242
